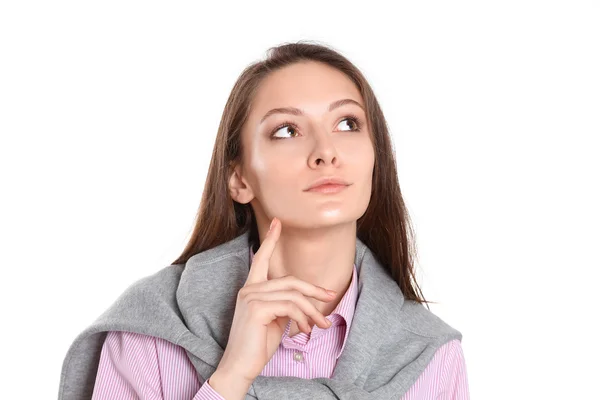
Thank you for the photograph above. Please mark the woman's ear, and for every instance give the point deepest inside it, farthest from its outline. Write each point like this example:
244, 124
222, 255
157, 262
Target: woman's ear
239, 189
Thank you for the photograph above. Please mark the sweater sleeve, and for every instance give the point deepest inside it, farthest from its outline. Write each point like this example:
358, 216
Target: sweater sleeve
140, 367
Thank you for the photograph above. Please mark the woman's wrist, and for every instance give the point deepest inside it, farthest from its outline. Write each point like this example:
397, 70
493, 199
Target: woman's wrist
229, 386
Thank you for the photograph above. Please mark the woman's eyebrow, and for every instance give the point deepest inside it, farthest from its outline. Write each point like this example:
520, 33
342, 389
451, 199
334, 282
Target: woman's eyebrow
297, 111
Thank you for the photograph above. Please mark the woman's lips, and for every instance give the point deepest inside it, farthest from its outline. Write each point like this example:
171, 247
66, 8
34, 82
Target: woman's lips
328, 188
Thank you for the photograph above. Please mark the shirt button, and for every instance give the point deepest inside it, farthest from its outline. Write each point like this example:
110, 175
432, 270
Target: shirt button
298, 356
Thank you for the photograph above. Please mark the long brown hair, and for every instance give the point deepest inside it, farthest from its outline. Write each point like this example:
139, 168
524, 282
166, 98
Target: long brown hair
385, 227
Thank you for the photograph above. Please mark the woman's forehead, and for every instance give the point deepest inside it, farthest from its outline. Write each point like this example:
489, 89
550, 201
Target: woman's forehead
302, 93
308, 84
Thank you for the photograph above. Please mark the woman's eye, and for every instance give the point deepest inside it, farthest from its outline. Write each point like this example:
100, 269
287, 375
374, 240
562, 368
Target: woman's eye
351, 122
288, 128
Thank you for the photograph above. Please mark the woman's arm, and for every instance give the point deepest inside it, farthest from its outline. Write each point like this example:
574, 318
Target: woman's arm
456, 384
135, 366
444, 378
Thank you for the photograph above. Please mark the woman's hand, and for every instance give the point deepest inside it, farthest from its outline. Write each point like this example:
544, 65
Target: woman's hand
263, 310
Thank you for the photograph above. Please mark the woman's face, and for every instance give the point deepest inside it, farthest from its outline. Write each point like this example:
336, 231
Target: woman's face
319, 142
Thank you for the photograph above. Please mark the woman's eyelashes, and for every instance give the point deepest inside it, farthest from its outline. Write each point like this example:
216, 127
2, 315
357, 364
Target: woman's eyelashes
354, 123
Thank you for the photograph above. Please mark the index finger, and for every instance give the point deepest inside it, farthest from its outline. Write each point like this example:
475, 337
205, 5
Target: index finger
260, 264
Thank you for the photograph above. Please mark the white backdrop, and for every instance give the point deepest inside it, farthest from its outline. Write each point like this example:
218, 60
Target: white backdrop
108, 115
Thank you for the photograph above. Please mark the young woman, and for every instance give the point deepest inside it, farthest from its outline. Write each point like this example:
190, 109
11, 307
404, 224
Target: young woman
298, 279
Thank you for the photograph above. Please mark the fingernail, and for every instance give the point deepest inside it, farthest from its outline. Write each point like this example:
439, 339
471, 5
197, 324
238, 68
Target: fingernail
271, 226
330, 292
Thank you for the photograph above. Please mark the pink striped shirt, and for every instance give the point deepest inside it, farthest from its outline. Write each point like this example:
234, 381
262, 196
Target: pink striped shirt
136, 366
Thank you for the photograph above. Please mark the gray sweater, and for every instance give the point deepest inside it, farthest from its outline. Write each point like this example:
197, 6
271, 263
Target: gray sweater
390, 342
